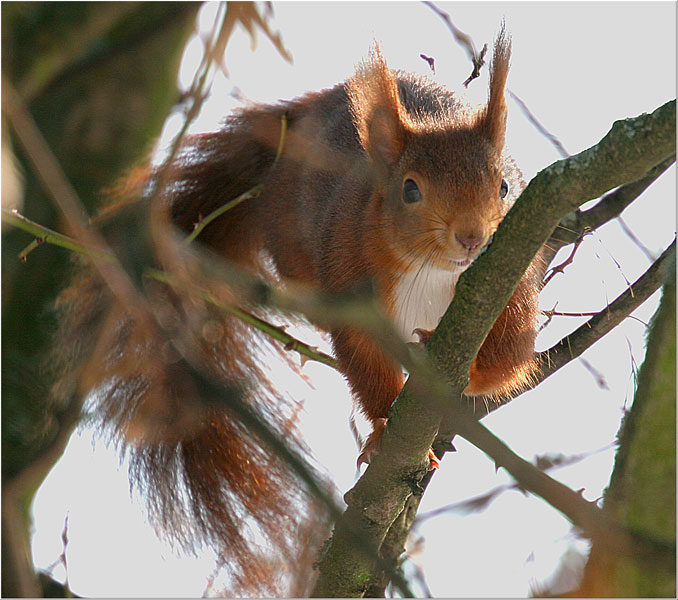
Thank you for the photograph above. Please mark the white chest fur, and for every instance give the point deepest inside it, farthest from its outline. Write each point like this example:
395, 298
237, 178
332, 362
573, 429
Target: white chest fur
421, 297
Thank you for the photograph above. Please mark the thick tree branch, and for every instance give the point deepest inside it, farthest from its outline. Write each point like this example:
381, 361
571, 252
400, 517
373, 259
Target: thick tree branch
610, 206
626, 153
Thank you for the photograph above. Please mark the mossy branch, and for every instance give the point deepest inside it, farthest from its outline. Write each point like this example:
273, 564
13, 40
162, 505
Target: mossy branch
631, 149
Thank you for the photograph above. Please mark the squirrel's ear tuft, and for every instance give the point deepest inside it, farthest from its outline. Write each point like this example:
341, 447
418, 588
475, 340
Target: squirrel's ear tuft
492, 120
380, 119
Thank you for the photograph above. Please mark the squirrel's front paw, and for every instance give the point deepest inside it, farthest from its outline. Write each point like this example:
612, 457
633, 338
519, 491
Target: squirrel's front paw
372, 446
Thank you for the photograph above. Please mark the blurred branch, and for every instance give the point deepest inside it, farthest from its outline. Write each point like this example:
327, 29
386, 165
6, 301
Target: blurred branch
278, 333
44, 235
92, 54
593, 521
247, 14
55, 183
634, 238
478, 503
56, 62
13, 494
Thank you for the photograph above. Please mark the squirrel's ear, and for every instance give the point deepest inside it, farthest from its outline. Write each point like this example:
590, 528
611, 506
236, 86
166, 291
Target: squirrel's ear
492, 120
380, 119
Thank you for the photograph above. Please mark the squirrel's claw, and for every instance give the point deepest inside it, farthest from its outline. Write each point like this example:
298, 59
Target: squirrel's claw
372, 446
424, 336
434, 460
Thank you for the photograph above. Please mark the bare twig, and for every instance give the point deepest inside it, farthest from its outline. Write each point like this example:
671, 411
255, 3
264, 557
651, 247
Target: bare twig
46, 235
634, 238
480, 502
248, 195
557, 144
430, 61
205, 221
597, 375
568, 261
464, 40
278, 333
610, 206
593, 521
587, 334
555, 313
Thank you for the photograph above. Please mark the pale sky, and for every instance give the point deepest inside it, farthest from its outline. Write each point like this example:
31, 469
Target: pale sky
578, 66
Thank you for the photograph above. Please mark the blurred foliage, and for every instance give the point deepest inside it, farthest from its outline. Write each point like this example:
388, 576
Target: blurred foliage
99, 79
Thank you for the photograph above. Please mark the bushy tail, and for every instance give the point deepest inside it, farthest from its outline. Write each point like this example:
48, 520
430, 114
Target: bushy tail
167, 379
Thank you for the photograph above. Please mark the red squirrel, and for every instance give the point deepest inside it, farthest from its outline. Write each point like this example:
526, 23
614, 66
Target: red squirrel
388, 178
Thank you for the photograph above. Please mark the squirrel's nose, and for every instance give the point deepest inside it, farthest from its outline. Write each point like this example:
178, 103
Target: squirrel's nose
470, 242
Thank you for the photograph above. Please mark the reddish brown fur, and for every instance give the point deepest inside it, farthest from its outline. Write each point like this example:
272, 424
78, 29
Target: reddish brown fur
331, 215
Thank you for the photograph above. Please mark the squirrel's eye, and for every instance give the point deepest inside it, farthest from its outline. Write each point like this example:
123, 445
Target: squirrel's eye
503, 190
411, 193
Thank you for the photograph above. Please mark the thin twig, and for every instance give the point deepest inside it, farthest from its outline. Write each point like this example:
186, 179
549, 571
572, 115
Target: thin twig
568, 261
465, 41
634, 238
557, 144
610, 206
248, 195
592, 520
276, 333
554, 313
48, 236
573, 345
11, 217
479, 502
205, 221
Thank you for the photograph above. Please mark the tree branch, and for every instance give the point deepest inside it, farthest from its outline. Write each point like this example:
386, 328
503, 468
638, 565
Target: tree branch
610, 206
596, 523
574, 345
55, 183
626, 153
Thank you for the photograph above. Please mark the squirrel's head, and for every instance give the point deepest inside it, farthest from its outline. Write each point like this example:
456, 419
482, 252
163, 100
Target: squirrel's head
438, 173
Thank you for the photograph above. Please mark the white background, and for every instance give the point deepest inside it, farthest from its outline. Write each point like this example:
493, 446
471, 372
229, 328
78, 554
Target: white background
578, 66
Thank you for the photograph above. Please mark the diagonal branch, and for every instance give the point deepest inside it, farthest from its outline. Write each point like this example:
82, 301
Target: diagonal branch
610, 206
626, 153
54, 181
574, 345
596, 523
